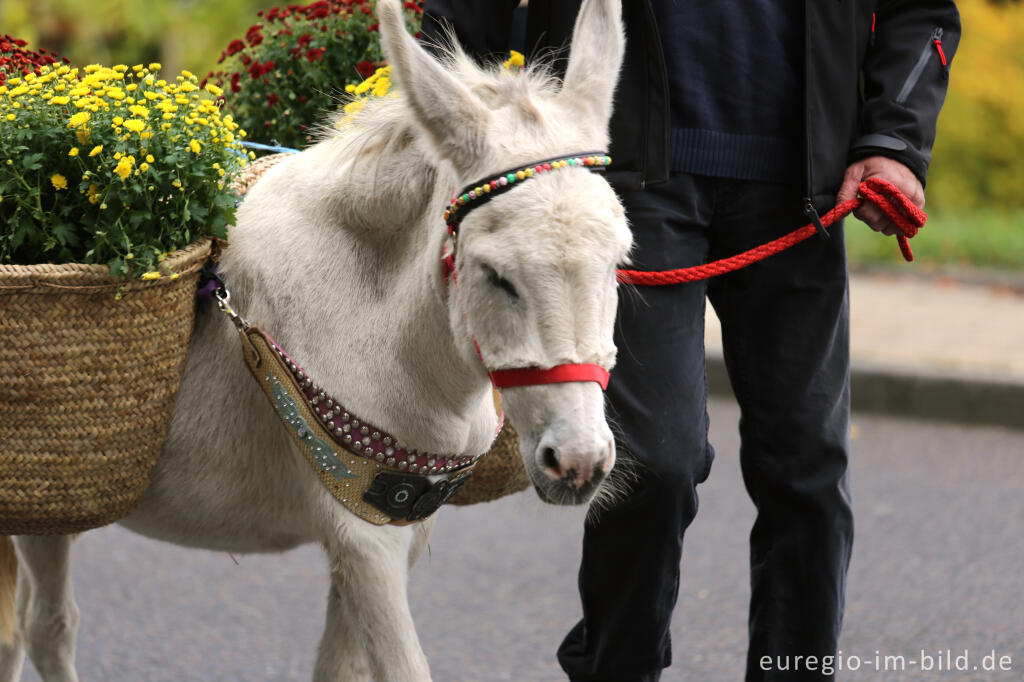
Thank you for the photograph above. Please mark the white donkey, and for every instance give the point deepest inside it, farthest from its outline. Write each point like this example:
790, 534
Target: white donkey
337, 253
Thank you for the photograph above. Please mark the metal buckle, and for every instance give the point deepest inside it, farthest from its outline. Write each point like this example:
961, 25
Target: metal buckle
223, 297
411, 497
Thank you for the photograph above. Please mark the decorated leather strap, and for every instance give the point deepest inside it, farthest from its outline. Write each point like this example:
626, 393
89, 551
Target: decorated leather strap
371, 490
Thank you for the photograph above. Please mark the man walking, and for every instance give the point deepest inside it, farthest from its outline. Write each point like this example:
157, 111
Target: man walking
736, 122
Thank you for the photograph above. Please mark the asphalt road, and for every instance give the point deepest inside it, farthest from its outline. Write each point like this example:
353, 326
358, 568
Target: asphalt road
938, 565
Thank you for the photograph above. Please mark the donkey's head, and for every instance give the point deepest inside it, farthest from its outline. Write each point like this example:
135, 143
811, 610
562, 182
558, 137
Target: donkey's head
536, 263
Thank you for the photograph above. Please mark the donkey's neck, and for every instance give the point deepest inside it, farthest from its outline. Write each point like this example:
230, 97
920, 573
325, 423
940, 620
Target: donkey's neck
358, 294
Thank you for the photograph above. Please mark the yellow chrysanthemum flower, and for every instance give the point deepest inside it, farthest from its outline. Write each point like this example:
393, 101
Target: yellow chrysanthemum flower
195, 146
135, 125
124, 168
79, 119
73, 152
94, 194
515, 61
149, 275
96, 150
59, 181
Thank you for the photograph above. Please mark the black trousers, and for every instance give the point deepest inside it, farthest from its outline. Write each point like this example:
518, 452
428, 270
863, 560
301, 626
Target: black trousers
785, 332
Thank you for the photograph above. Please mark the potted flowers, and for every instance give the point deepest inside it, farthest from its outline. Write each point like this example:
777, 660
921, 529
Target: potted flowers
291, 67
112, 187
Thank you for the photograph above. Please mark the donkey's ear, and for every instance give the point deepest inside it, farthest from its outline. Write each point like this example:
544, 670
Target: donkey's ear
598, 44
455, 118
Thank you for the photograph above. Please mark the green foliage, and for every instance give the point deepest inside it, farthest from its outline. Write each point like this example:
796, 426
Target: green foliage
178, 33
979, 151
111, 166
290, 67
978, 239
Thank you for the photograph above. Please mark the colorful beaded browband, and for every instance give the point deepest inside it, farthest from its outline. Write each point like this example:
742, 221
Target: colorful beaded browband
476, 195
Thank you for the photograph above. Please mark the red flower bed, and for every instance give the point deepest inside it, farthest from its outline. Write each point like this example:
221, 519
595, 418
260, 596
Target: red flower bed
290, 68
15, 60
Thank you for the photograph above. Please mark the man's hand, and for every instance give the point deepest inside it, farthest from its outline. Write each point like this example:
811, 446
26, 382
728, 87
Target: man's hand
886, 169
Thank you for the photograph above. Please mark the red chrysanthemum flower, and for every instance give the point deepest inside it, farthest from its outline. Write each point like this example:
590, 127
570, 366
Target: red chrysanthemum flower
365, 69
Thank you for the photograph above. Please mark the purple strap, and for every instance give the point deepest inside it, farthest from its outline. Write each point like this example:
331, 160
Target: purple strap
209, 282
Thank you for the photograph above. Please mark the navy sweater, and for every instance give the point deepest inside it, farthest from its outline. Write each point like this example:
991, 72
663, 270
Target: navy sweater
735, 71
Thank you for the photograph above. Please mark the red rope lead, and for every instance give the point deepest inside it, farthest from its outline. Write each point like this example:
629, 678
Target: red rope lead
907, 217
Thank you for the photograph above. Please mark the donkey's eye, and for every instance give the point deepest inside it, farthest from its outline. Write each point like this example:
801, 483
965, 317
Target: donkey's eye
496, 280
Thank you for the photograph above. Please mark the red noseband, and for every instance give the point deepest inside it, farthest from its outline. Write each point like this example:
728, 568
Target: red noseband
562, 374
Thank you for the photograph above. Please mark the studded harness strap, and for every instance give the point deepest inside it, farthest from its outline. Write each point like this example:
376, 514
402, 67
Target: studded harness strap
368, 470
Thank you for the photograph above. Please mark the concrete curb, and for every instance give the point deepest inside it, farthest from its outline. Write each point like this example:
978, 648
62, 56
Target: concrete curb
921, 393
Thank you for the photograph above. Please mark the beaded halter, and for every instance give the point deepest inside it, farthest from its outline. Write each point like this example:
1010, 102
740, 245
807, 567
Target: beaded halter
476, 195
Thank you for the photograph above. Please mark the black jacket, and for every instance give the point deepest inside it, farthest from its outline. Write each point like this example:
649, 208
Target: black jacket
867, 92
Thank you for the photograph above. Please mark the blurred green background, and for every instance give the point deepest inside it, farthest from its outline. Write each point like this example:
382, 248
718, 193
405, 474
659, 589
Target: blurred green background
976, 184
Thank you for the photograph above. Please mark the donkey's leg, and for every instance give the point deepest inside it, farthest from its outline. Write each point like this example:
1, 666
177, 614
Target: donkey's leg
12, 644
47, 611
12, 654
341, 655
368, 579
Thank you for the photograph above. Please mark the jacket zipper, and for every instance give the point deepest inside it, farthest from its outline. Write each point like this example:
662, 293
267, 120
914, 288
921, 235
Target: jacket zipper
654, 41
934, 43
809, 210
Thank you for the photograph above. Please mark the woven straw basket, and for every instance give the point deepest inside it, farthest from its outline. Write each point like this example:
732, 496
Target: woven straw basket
87, 387
500, 472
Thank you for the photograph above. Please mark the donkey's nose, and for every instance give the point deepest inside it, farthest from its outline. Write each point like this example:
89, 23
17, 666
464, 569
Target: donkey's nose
576, 466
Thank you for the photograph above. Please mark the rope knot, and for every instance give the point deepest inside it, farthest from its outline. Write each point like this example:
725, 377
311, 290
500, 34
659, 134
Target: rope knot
907, 217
